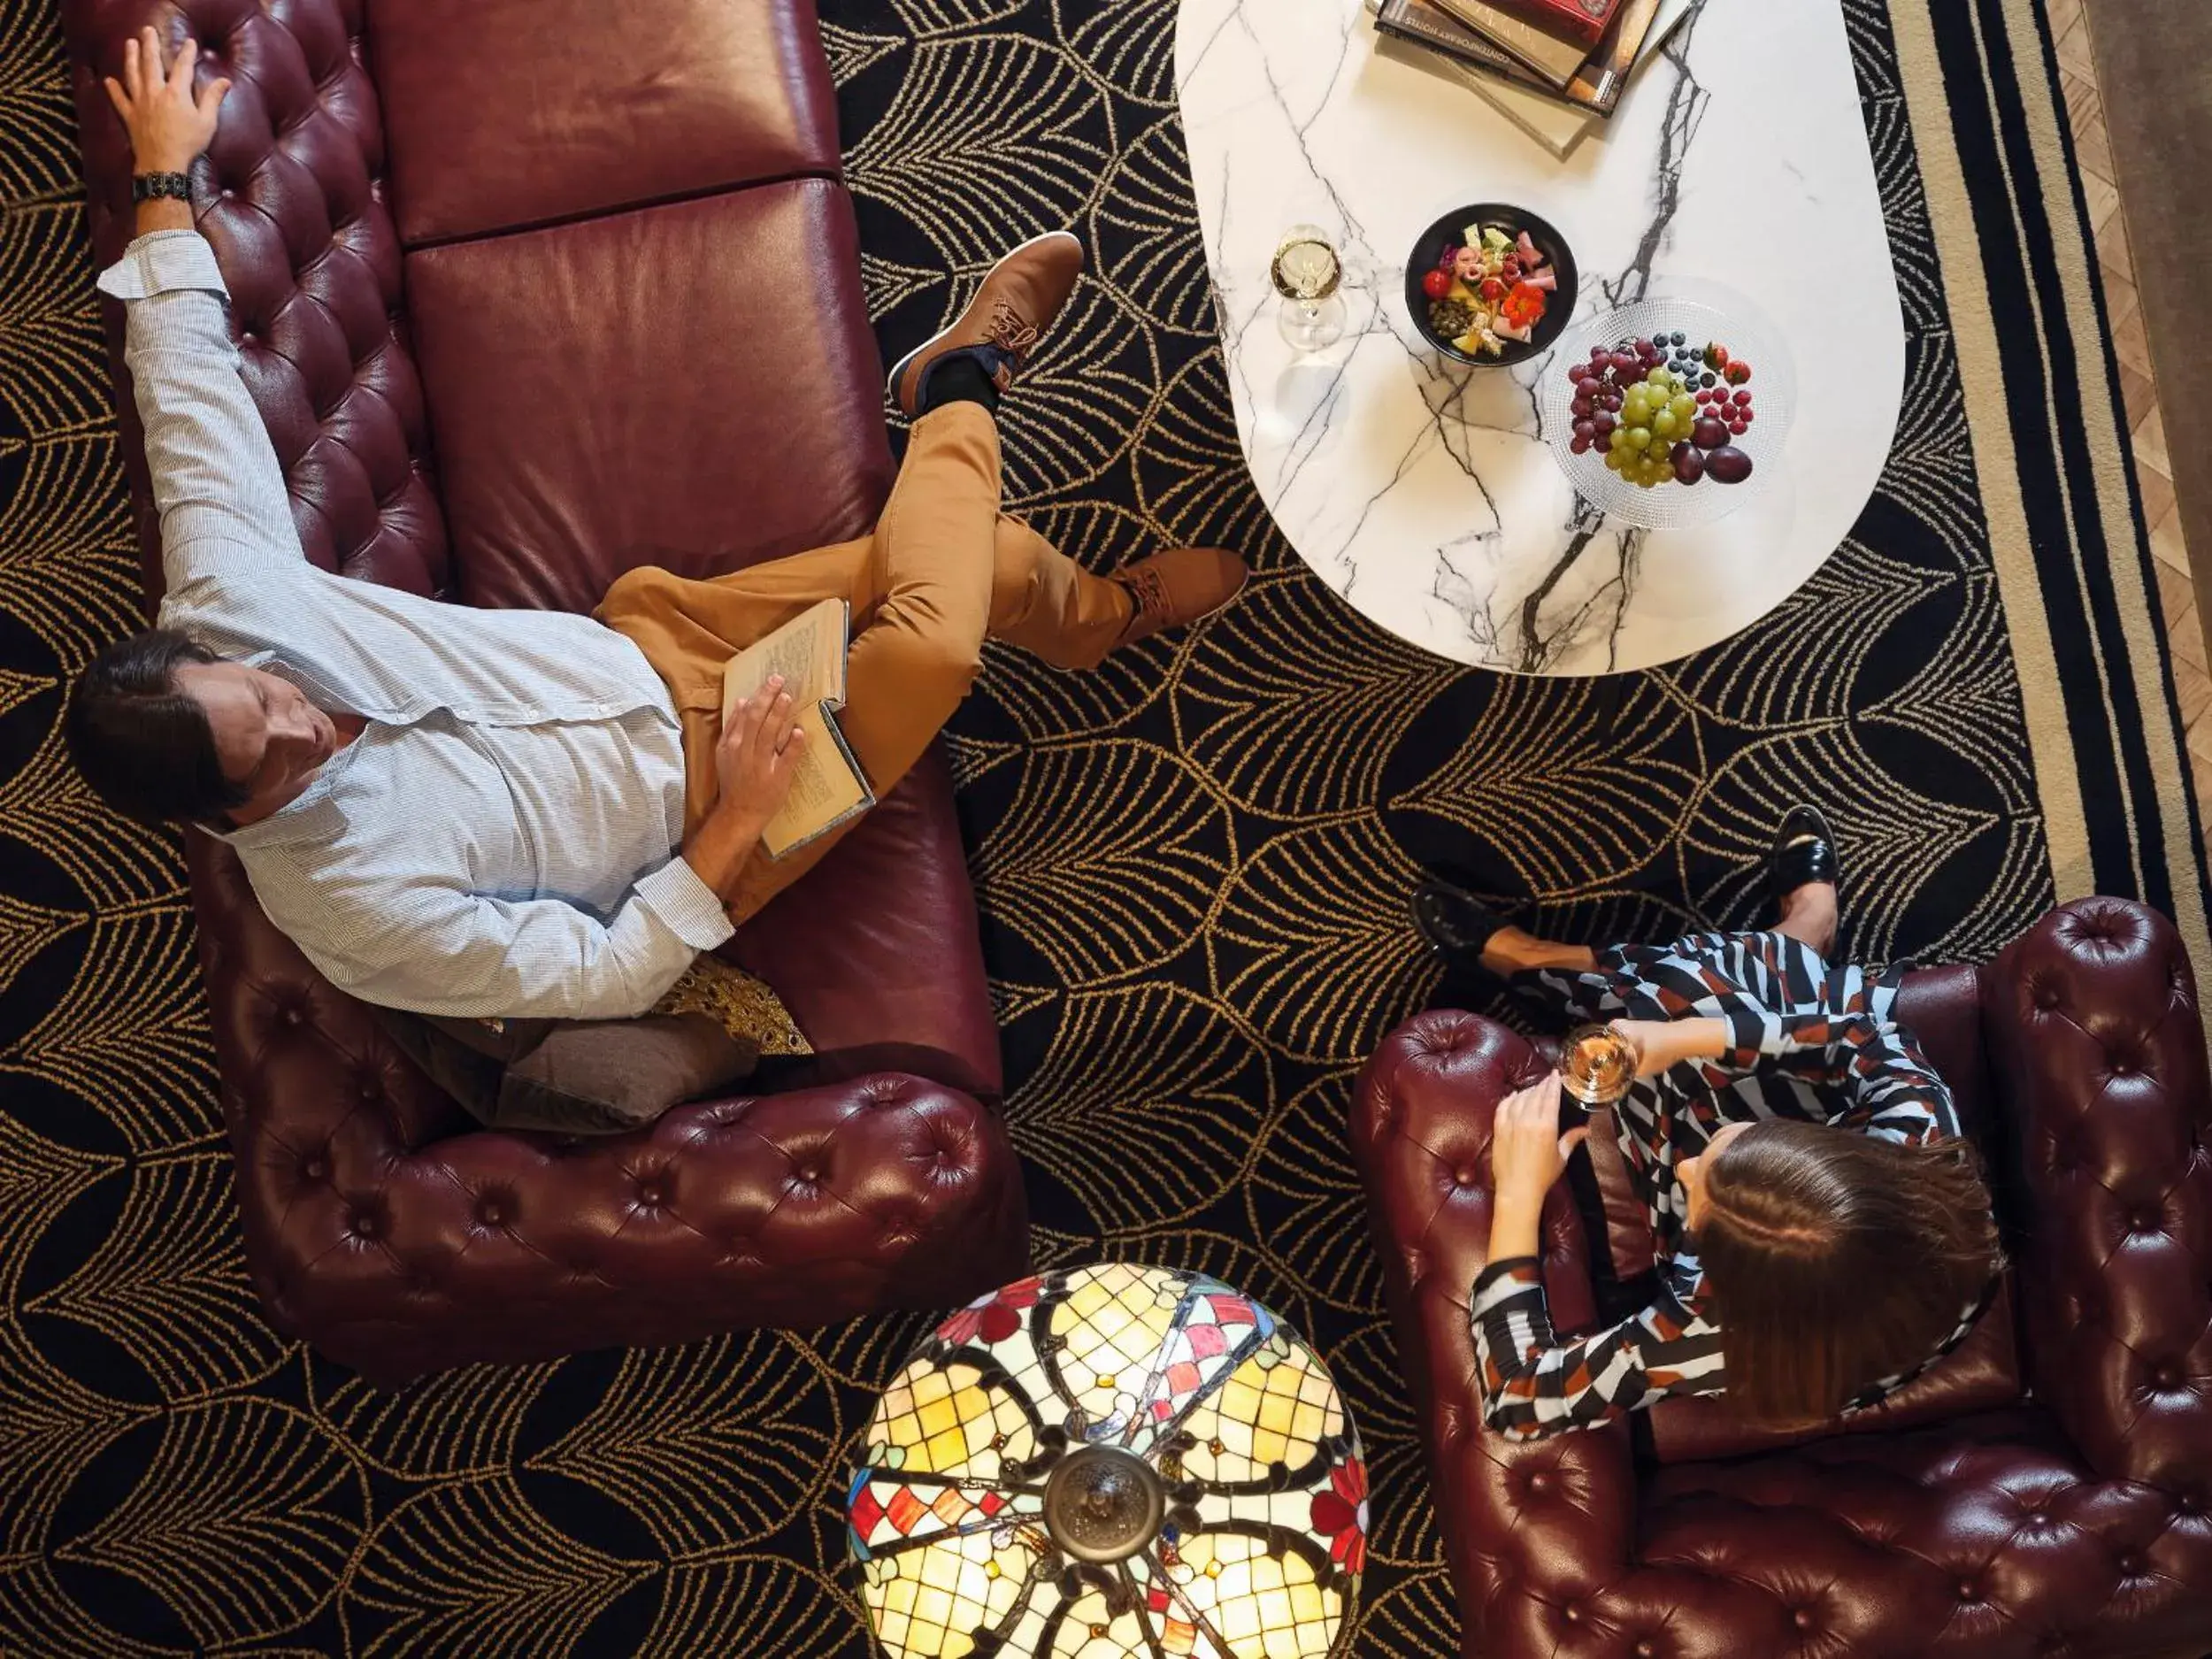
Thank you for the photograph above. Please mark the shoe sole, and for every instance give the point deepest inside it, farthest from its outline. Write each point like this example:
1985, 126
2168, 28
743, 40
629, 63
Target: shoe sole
899, 369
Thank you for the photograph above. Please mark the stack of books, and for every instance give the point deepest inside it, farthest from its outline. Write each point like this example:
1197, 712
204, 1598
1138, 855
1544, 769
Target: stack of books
1557, 68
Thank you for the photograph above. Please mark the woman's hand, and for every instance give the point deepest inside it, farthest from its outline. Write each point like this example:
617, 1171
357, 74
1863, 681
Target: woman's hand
1663, 1044
1527, 1152
169, 127
758, 756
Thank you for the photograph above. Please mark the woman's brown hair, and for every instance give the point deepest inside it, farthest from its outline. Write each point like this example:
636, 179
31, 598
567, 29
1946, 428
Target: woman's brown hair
1835, 1260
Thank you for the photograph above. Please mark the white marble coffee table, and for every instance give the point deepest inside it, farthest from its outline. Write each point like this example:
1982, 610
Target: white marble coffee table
1418, 487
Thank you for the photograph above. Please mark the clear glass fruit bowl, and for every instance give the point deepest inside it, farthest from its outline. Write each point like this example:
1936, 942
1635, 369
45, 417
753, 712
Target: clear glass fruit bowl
1712, 317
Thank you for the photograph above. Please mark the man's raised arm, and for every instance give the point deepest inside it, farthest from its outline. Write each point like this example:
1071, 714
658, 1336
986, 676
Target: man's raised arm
215, 476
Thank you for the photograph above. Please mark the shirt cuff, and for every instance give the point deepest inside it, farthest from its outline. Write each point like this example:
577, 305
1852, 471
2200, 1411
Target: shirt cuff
1753, 1033
1503, 1280
162, 261
692, 910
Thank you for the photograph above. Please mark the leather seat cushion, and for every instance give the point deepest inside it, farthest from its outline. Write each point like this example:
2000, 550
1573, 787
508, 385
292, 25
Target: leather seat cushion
694, 386
504, 113
876, 953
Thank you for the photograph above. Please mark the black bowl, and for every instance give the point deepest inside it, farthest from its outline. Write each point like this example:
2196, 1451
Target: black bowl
1452, 229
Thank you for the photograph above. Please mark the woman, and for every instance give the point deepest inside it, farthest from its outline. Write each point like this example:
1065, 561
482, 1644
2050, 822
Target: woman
1824, 1231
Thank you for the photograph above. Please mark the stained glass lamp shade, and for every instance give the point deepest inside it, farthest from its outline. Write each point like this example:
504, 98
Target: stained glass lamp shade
1114, 1461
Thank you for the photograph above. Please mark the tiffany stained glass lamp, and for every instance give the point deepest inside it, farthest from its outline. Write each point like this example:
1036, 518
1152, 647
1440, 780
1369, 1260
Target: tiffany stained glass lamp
1114, 1461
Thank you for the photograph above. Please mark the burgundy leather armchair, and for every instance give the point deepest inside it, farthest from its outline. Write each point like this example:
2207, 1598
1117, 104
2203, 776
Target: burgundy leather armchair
2047, 1490
531, 292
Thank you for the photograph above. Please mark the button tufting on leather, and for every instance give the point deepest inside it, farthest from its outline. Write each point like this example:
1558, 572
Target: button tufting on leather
1802, 1619
314, 1166
648, 1192
2167, 1375
362, 1224
1540, 1482
491, 1213
1572, 1612
2129, 1563
1969, 1591
1645, 1648
809, 1173
294, 1015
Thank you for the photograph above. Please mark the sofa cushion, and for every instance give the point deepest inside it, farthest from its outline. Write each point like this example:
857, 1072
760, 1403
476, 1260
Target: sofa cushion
498, 118
693, 386
876, 953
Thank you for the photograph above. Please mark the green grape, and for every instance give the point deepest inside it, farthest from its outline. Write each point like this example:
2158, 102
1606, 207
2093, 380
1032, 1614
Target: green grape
1638, 437
1663, 423
1613, 459
1684, 408
1636, 407
1659, 377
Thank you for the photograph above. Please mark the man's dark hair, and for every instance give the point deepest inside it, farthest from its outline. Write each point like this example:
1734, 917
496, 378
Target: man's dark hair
144, 745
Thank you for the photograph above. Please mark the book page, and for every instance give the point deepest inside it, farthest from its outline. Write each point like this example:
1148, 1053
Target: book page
826, 787
808, 651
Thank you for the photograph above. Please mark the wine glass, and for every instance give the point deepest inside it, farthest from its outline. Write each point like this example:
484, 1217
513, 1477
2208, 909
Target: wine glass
1307, 273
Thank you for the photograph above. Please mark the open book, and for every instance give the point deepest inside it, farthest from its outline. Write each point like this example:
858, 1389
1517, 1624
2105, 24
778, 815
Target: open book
828, 787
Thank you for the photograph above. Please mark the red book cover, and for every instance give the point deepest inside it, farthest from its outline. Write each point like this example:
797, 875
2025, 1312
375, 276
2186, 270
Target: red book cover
1583, 21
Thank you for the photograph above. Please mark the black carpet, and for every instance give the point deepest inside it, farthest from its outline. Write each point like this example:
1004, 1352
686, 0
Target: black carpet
1192, 865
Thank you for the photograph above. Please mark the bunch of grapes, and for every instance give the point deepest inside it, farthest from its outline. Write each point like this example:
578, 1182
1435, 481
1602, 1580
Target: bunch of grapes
1661, 410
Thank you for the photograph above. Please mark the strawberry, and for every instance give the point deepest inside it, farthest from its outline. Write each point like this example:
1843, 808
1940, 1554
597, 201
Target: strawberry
1738, 372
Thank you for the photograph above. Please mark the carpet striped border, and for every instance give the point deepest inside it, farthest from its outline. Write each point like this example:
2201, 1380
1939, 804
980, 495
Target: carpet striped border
2043, 403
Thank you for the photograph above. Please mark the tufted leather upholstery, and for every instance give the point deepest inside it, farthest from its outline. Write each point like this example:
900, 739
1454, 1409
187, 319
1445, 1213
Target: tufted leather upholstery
2079, 1521
376, 1224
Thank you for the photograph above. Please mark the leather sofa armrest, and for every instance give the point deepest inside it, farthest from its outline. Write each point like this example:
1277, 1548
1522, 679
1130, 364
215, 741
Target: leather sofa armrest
784, 1210
2094, 1037
1535, 1528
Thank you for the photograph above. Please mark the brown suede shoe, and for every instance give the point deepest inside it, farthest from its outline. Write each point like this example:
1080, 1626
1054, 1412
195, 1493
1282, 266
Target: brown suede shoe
1021, 296
1178, 586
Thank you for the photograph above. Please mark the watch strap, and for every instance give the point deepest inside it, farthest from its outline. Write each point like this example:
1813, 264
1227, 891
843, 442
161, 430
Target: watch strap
147, 187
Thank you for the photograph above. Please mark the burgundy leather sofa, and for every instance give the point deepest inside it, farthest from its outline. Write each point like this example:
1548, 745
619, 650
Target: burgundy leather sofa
2047, 1491
531, 292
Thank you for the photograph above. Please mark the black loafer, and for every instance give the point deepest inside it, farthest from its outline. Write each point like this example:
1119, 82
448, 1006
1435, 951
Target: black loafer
1457, 924
1804, 851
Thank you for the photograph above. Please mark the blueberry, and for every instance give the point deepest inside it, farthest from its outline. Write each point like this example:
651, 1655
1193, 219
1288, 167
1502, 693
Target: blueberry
1710, 380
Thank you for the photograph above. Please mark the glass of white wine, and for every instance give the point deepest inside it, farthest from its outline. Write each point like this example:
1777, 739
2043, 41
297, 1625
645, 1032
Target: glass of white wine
1307, 273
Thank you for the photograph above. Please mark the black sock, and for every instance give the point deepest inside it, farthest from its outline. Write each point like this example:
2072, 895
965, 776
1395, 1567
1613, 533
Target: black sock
958, 378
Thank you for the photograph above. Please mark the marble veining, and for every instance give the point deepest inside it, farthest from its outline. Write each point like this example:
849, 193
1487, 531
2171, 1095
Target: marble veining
1419, 488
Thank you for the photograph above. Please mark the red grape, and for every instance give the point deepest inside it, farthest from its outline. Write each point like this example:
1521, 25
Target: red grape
1708, 433
1580, 446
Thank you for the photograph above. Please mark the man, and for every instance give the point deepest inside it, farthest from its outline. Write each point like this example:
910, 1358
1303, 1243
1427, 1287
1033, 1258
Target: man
523, 813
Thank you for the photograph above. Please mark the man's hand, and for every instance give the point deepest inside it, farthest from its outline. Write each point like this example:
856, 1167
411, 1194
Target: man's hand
758, 755
754, 764
170, 128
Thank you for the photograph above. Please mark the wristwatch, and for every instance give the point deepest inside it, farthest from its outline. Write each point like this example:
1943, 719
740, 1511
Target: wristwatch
146, 187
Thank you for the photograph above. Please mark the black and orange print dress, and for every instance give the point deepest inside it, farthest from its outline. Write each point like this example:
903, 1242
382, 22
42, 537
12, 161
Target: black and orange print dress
1810, 1041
